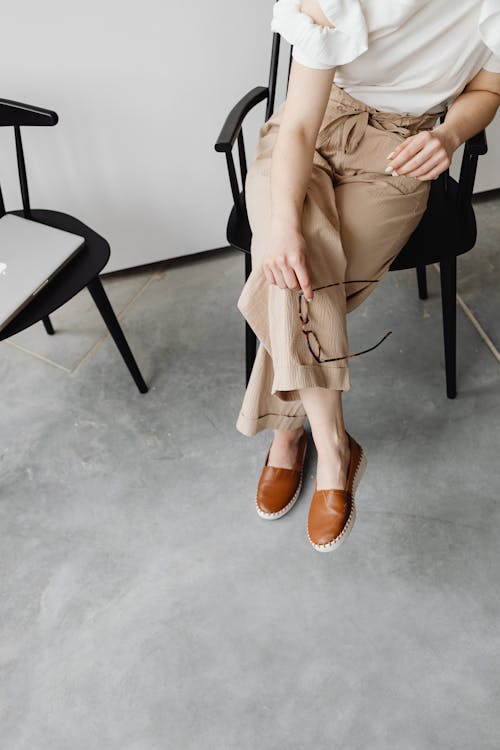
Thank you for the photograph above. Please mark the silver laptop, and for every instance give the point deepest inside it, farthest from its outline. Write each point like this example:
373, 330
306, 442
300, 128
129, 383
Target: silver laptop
30, 256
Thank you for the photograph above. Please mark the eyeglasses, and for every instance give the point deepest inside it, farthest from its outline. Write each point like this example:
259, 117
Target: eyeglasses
312, 339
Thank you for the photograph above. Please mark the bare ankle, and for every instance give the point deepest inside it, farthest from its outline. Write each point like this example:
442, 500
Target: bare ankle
284, 447
332, 441
288, 436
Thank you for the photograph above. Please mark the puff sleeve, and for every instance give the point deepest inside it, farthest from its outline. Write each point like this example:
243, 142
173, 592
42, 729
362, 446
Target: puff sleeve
489, 30
318, 46
493, 64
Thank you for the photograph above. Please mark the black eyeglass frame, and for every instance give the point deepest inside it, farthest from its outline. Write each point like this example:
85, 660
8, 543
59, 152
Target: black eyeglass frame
309, 332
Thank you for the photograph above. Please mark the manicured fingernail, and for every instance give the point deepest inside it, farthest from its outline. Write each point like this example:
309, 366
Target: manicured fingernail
394, 173
390, 155
388, 169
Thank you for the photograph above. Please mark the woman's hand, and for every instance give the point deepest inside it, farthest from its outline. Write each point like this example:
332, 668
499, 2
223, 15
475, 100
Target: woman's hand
424, 155
429, 153
286, 263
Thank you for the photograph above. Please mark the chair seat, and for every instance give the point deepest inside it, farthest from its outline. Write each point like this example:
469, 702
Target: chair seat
430, 242
238, 231
76, 275
436, 237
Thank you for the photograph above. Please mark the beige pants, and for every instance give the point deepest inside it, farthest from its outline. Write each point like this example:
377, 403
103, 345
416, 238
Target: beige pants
355, 221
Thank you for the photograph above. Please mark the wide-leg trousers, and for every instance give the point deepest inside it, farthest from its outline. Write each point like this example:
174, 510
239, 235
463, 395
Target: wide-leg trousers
356, 219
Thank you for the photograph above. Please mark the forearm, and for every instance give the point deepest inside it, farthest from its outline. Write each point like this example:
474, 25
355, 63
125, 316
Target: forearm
470, 113
291, 169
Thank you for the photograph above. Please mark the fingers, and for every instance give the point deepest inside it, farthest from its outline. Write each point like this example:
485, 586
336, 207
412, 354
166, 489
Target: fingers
289, 272
428, 159
421, 155
420, 159
407, 150
432, 166
290, 278
268, 274
278, 275
434, 173
396, 151
304, 279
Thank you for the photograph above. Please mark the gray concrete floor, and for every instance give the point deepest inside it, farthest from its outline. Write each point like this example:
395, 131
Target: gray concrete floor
145, 606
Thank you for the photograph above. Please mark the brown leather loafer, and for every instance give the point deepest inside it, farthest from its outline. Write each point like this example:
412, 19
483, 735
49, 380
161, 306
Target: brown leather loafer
332, 512
278, 489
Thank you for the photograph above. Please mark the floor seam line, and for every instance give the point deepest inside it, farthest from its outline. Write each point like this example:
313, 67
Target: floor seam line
38, 356
106, 334
100, 340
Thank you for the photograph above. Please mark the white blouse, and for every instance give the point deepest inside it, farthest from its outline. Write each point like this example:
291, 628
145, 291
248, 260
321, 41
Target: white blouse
405, 56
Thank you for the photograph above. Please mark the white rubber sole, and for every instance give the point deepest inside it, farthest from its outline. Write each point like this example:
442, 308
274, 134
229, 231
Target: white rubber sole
289, 506
335, 543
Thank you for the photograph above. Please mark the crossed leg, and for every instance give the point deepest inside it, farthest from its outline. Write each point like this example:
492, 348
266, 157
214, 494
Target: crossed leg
353, 230
356, 219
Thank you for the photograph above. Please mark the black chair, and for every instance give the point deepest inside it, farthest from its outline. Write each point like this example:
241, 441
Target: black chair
83, 270
447, 228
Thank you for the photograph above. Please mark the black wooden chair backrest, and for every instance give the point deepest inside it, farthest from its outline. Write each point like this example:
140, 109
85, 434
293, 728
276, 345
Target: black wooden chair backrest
16, 115
273, 73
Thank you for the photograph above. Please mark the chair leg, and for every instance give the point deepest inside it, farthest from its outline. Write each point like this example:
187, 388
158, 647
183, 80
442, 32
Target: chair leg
48, 326
250, 337
422, 282
448, 277
103, 304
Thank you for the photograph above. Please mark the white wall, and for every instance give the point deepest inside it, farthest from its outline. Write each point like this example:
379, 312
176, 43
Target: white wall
488, 171
142, 89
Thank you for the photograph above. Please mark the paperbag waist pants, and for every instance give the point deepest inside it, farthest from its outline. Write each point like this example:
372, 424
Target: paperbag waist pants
356, 219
